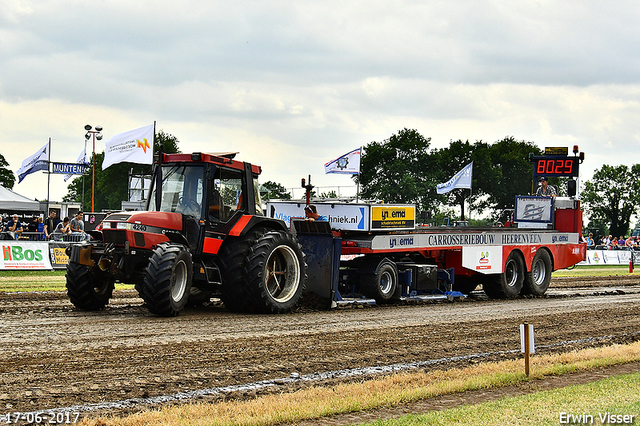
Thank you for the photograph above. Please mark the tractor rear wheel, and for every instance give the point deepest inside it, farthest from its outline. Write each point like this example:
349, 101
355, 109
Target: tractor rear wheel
508, 284
86, 289
275, 272
233, 253
167, 279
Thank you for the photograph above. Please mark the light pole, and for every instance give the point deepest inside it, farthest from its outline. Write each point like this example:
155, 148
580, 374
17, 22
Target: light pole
95, 134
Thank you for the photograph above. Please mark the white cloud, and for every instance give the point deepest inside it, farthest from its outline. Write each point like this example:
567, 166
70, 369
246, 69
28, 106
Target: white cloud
294, 84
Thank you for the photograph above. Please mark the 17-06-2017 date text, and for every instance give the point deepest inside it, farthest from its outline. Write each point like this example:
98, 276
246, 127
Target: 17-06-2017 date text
44, 417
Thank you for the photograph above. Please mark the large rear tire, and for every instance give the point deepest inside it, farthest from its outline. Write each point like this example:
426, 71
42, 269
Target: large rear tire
508, 284
86, 289
167, 279
537, 281
275, 272
380, 285
233, 254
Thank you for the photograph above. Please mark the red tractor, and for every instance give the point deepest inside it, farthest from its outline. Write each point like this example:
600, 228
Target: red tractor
204, 234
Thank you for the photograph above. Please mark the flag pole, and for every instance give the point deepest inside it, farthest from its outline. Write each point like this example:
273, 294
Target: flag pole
358, 183
48, 176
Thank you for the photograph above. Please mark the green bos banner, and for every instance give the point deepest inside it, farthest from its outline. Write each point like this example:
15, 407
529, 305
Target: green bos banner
24, 255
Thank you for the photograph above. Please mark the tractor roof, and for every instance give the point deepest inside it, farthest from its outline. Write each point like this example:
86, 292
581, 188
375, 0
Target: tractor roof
220, 158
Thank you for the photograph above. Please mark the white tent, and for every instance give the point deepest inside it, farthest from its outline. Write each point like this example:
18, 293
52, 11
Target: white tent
9, 200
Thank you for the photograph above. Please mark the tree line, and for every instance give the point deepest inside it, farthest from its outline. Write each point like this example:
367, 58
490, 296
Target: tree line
404, 168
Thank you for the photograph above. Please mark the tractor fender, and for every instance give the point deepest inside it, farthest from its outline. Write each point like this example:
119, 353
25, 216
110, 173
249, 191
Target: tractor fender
248, 222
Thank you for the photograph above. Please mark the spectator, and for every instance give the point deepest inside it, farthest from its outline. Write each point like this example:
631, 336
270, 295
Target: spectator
62, 229
14, 228
77, 228
590, 242
621, 241
630, 243
614, 244
40, 230
50, 224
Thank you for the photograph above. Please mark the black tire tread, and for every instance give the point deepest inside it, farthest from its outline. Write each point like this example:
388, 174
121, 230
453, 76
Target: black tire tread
156, 289
254, 272
81, 289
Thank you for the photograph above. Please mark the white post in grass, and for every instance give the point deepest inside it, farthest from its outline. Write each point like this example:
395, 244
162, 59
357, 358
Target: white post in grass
527, 344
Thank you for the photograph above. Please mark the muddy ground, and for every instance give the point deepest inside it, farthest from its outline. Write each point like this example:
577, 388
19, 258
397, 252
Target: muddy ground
53, 356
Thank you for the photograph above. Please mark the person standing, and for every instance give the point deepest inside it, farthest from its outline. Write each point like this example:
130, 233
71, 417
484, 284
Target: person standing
77, 227
50, 224
546, 190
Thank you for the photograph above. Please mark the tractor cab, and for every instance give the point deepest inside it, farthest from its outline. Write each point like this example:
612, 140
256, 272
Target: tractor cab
207, 190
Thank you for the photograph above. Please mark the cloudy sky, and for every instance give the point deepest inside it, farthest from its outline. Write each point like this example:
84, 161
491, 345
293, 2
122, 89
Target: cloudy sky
292, 85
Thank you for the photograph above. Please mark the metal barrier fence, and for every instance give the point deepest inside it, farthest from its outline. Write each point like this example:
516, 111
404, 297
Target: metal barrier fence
40, 236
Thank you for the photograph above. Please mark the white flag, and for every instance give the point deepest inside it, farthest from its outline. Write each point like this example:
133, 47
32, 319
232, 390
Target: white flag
462, 179
134, 146
38, 161
348, 164
82, 159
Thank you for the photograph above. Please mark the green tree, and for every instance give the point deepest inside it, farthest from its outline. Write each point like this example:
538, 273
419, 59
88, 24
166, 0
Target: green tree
456, 156
112, 184
612, 196
7, 178
275, 191
512, 172
400, 169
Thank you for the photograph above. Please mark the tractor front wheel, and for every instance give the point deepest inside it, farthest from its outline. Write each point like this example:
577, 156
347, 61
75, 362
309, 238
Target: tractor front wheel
86, 289
167, 279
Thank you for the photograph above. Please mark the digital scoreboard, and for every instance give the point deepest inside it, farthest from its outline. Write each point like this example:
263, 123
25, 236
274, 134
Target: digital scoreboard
552, 166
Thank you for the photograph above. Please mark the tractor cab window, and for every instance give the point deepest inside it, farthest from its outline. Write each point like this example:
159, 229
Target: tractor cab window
225, 195
182, 190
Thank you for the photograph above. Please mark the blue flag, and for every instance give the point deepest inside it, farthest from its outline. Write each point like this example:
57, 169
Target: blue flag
38, 161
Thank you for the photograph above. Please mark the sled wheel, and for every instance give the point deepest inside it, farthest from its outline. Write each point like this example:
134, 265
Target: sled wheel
538, 279
87, 290
275, 272
167, 279
382, 283
508, 284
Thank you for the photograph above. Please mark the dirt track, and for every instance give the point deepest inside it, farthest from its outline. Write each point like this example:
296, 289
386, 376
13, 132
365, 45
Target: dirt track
52, 356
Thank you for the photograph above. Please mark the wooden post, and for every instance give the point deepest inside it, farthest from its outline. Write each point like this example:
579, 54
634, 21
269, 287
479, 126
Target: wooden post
526, 349
527, 345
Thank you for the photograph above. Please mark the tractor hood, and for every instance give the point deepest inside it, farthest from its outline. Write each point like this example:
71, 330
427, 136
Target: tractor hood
140, 220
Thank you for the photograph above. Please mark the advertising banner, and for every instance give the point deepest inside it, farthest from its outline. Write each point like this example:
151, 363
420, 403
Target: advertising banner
610, 257
24, 255
393, 217
352, 217
485, 260
534, 209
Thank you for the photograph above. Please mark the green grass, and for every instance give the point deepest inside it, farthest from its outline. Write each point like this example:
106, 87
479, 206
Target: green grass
33, 281
616, 395
30, 281
596, 271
